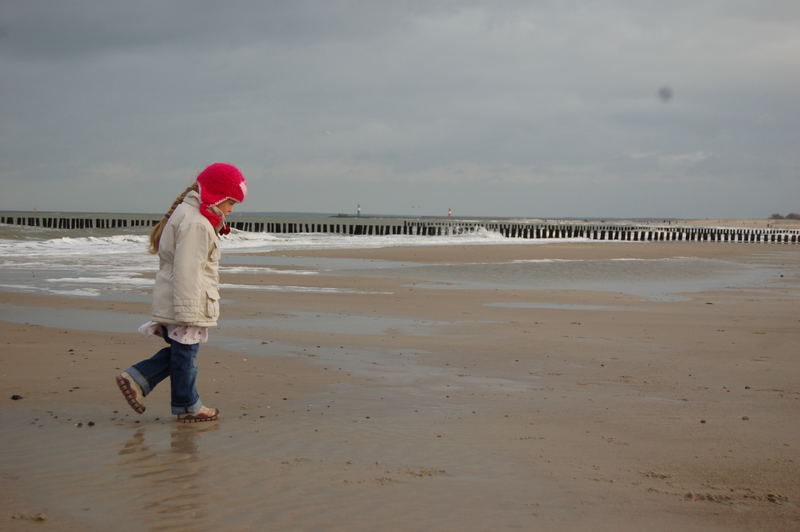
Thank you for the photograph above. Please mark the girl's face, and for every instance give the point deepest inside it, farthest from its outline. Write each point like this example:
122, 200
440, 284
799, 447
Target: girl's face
226, 206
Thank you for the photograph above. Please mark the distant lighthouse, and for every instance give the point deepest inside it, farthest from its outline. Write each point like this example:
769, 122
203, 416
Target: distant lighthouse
449, 212
358, 210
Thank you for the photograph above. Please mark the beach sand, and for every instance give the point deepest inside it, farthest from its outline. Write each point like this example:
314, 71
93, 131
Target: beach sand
783, 223
418, 405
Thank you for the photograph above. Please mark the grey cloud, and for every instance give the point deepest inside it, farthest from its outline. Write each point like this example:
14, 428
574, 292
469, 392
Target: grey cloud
364, 98
76, 27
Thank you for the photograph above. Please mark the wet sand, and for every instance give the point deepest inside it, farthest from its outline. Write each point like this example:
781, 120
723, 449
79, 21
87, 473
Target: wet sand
413, 405
557, 250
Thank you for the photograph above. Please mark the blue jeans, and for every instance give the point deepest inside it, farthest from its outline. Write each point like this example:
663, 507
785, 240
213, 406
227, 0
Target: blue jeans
179, 363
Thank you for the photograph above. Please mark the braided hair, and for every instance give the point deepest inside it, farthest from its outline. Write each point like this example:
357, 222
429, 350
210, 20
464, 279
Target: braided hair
155, 234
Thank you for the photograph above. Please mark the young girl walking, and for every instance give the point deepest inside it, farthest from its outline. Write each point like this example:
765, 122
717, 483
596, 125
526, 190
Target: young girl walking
186, 292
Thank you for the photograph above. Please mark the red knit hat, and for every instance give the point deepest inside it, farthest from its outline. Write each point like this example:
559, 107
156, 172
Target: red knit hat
217, 183
221, 181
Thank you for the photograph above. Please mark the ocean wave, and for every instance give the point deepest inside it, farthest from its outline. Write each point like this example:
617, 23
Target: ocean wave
238, 240
72, 246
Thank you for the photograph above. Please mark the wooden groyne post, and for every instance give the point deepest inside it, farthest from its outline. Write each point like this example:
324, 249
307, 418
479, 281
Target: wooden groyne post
378, 226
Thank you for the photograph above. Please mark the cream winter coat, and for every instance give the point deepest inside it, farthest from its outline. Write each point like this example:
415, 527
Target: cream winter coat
187, 283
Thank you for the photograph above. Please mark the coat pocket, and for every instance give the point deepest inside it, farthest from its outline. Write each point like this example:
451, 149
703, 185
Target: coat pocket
214, 255
212, 303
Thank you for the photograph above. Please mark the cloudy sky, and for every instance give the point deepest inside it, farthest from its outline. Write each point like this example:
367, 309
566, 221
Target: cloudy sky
541, 108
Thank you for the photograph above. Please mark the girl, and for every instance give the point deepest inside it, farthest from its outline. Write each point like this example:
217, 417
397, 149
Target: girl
186, 292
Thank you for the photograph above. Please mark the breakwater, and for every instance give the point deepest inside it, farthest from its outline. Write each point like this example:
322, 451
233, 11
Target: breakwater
530, 229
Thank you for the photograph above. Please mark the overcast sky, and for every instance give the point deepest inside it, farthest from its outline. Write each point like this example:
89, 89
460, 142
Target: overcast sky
549, 108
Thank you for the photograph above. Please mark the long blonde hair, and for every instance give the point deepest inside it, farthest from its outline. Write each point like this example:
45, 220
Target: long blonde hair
155, 234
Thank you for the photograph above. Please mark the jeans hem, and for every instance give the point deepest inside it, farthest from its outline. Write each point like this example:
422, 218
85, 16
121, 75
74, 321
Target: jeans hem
193, 409
140, 380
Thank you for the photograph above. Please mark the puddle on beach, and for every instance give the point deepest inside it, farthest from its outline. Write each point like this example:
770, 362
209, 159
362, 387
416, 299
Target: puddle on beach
98, 320
321, 264
323, 322
398, 368
658, 280
555, 306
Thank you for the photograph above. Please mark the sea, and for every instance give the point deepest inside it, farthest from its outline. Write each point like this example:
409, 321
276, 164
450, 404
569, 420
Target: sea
114, 264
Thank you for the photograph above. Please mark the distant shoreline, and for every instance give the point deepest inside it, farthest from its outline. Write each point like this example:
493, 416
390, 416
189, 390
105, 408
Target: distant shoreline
755, 223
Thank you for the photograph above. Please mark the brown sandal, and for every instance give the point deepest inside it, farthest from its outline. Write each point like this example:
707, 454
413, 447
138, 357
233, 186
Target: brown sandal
131, 391
207, 414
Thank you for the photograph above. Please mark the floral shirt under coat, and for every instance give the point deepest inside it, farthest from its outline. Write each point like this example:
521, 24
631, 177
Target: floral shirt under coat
183, 334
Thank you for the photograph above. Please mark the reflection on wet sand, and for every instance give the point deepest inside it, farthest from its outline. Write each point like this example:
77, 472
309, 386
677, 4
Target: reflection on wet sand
169, 484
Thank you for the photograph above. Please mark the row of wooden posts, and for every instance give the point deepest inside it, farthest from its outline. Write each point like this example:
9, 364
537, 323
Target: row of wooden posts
429, 227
